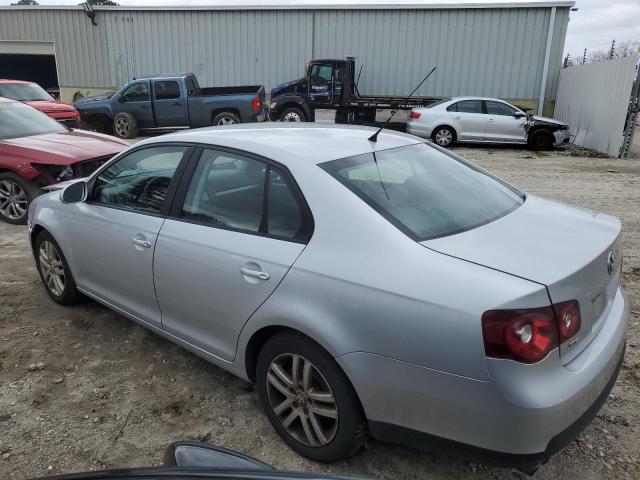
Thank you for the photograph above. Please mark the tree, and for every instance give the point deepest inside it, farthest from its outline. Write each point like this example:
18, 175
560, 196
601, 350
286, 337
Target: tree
101, 3
26, 2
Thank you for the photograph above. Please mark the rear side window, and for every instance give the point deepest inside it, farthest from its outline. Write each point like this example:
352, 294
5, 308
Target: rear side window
241, 193
466, 106
424, 192
166, 90
499, 108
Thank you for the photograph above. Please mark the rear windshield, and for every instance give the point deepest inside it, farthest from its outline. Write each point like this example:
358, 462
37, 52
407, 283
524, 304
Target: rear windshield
425, 192
21, 120
439, 102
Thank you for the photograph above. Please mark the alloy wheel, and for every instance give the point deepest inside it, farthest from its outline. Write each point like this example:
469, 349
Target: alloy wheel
292, 117
51, 267
444, 137
226, 121
13, 200
302, 400
122, 127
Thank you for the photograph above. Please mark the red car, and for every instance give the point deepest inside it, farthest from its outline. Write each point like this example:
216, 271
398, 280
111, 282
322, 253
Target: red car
36, 151
34, 95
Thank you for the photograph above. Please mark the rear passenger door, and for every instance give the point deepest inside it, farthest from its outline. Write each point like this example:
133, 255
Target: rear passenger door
169, 104
468, 119
237, 225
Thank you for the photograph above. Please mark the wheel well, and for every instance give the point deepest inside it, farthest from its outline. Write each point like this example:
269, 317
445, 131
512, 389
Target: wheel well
435, 129
34, 234
539, 128
221, 110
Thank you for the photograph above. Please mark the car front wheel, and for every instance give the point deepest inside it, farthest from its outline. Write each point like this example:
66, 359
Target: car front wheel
444, 136
308, 399
16, 194
54, 270
541, 140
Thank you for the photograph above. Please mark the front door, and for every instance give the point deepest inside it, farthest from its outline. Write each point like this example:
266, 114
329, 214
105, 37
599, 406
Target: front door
504, 122
135, 99
468, 119
169, 105
113, 234
320, 83
226, 247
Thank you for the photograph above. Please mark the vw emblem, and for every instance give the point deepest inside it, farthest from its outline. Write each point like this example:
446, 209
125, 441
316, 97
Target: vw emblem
611, 263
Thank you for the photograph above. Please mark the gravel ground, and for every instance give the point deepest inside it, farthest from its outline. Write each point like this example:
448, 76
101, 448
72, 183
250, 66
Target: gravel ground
83, 388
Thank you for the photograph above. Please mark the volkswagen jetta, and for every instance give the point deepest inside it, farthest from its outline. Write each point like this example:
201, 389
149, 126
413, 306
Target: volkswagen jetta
381, 287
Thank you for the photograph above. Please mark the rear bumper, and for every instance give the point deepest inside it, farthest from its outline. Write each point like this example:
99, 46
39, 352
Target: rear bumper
520, 417
414, 128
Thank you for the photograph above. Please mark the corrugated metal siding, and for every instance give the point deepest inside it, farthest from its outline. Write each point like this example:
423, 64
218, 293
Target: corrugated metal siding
593, 99
81, 49
492, 52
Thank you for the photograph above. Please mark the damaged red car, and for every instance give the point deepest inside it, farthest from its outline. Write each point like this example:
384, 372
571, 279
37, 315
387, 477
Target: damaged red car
36, 151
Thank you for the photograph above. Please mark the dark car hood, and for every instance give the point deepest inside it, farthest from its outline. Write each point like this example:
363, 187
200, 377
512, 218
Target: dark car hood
286, 87
62, 148
47, 106
92, 98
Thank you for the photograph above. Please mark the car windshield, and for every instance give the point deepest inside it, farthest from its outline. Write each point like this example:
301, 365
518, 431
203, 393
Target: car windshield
425, 192
24, 92
439, 102
20, 120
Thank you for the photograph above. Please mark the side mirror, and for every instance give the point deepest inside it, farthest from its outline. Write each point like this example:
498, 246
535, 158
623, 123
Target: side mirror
74, 193
198, 454
519, 114
120, 98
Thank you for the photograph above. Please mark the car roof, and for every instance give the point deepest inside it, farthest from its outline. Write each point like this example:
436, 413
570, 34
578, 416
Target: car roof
294, 143
6, 81
163, 75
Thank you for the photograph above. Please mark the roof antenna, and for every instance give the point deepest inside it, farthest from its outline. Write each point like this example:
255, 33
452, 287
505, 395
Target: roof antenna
394, 107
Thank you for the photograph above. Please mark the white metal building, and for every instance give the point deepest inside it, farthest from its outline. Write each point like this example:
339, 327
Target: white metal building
509, 50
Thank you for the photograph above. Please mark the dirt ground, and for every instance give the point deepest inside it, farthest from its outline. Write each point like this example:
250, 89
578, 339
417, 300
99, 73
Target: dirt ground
110, 394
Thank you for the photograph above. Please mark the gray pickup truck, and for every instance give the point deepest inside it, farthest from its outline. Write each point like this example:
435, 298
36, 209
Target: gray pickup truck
170, 101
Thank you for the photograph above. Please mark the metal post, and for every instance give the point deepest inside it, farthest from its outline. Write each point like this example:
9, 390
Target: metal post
547, 54
632, 117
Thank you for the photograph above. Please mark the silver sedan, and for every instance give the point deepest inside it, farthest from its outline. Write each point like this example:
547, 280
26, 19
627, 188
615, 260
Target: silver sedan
485, 120
388, 288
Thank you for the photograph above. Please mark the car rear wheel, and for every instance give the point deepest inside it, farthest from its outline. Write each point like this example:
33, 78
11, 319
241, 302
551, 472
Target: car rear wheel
16, 194
541, 140
125, 125
54, 270
308, 399
292, 114
226, 118
444, 136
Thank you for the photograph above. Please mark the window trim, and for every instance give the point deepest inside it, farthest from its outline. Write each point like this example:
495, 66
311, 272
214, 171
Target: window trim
307, 226
155, 96
173, 186
483, 108
127, 87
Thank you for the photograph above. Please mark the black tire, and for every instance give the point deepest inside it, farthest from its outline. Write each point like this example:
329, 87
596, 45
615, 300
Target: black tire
70, 295
16, 194
541, 140
293, 114
348, 431
226, 118
444, 136
125, 125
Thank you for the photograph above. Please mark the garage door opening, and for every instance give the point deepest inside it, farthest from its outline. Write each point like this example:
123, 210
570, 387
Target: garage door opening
33, 68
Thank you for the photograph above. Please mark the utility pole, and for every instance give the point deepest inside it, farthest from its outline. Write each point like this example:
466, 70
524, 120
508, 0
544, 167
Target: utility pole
612, 52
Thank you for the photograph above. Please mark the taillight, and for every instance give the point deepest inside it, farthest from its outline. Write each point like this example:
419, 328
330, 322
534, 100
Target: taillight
414, 114
568, 317
528, 335
256, 104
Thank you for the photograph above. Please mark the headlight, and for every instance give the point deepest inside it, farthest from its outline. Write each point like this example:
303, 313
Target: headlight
65, 174
273, 105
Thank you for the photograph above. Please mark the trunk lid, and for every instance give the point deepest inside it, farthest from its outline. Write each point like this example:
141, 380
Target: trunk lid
567, 249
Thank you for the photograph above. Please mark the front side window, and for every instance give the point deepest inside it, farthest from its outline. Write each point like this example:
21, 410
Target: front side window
499, 108
166, 90
21, 120
320, 73
140, 180
466, 106
424, 192
235, 192
138, 92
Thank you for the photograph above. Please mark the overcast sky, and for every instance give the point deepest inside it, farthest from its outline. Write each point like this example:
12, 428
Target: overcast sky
593, 26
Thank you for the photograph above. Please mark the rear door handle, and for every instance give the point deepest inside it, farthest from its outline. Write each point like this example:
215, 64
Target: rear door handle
254, 273
457, 118
491, 120
140, 242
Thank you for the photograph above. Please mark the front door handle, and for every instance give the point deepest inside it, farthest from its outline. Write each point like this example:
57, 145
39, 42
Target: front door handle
254, 273
491, 120
457, 118
140, 242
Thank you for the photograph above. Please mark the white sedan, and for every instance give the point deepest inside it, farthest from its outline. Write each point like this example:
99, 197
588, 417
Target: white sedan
490, 120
